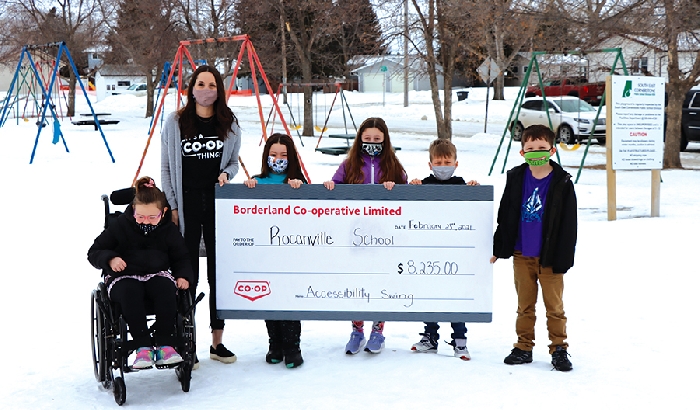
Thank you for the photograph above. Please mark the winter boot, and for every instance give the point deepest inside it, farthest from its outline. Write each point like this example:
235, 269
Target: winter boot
291, 338
275, 353
427, 344
560, 361
518, 356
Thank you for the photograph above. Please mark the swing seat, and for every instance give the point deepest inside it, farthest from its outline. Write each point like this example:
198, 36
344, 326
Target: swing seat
92, 122
319, 129
333, 150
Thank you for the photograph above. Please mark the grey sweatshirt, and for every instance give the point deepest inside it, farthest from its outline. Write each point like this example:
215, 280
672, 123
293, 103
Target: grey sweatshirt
171, 162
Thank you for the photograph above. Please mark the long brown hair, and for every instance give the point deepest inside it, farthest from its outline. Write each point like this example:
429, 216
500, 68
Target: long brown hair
389, 164
293, 166
223, 114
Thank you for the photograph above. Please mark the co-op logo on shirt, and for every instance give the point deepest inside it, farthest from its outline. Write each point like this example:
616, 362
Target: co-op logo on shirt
202, 147
252, 289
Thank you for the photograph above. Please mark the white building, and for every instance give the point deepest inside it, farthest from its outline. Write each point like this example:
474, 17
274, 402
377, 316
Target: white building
387, 72
114, 79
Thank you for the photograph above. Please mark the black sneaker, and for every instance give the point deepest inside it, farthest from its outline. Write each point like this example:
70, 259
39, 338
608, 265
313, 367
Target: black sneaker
222, 354
560, 361
292, 358
518, 356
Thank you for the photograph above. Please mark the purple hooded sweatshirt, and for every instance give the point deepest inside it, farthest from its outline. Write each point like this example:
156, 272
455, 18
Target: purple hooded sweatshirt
370, 169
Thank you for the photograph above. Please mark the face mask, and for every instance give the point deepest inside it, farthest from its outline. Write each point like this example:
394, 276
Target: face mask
277, 166
537, 158
146, 228
205, 98
372, 148
443, 173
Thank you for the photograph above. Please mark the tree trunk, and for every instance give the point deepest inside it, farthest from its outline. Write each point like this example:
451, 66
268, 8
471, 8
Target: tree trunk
499, 87
150, 90
71, 94
308, 130
672, 146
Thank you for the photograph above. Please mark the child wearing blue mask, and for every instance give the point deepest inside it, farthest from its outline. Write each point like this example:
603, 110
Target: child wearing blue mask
370, 160
280, 165
443, 162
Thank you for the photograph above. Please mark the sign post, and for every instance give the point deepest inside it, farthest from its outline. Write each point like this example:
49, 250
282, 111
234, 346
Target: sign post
383, 69
636, 141
488, 71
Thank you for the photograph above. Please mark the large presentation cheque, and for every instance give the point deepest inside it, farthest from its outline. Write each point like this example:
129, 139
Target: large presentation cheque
359, 252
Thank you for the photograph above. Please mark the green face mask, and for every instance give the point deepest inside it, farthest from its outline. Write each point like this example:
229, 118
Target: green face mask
537, 158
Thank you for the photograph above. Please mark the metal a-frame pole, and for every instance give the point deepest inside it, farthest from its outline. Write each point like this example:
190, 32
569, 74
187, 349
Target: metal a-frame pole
618, 57
3, 117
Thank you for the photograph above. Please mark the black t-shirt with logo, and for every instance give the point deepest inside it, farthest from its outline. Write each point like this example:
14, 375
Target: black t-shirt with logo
201, 156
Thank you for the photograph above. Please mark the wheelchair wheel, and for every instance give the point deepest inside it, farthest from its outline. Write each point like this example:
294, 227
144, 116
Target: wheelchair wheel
119, 390
184, 375
99, 341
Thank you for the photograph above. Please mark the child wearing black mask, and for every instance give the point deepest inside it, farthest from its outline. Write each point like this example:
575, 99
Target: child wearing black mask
142, 256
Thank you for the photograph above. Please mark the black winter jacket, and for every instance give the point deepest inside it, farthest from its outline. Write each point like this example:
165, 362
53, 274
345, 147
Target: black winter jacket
162, 250
559, 221
452, 181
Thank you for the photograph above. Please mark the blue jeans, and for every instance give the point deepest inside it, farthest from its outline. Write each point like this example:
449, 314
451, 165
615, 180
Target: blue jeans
459, 329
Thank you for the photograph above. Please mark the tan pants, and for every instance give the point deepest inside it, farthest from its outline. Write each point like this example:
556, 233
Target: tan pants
527, 273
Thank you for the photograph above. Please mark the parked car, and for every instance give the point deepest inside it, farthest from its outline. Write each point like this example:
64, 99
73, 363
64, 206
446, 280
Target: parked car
690, 119
572, 118
137, 89
579, 87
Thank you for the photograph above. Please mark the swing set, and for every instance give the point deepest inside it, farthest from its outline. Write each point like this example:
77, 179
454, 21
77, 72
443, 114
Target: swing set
30, 79
515, 111
253, 60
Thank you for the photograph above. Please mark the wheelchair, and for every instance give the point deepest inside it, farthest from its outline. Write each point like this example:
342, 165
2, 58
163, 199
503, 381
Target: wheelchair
111, 345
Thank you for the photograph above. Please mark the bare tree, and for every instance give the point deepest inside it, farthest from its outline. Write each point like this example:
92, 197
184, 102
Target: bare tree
75, 22
199, 19
146, 36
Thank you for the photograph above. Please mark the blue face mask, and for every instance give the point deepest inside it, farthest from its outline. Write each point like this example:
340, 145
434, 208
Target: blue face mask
372, 148
278, 166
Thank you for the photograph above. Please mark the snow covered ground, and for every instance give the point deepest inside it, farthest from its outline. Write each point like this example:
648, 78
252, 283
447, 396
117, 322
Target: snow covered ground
629, 297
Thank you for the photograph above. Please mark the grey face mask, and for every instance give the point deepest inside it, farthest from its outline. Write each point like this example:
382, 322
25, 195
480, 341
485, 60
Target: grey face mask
443, 173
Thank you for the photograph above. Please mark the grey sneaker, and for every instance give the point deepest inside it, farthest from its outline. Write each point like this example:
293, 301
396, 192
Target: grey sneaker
427, 344
376, 343
356, 343
461, 351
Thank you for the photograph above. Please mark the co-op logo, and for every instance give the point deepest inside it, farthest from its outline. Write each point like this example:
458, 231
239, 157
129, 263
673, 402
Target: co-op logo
252, 289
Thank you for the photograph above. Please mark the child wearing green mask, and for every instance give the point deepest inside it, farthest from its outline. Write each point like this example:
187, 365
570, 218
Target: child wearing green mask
443, 162
536, 225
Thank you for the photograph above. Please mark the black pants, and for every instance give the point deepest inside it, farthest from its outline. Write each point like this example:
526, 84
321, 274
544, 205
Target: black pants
284, 335
131, 295
199, 219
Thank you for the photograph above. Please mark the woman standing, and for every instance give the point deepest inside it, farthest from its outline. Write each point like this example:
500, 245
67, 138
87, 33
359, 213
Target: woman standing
199, 148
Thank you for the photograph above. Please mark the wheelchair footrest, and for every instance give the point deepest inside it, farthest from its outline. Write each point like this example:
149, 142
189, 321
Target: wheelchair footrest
168, 366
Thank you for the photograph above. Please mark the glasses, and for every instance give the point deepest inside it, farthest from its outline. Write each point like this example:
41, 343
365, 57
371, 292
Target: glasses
142, 218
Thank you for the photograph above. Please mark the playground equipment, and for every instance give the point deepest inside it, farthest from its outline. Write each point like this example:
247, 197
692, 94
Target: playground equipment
344, 105
47, 102
254, 64
511, 123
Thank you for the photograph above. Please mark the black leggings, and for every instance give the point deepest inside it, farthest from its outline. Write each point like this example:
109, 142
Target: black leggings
131, 295
199, 218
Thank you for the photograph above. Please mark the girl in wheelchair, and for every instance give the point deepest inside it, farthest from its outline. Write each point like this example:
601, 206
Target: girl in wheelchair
143, 256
